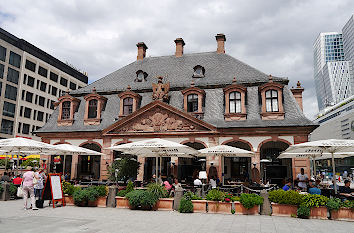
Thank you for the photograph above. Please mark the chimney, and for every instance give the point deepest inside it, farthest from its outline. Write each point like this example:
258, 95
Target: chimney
141, 50
297, 93
220, 38
179, 47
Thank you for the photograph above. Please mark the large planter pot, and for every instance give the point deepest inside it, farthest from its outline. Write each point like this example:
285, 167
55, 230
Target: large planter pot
69, 200
319, 212
283, 210
102, 201
219, 207
165, 204
199, 206
342, 214
240, 209
122, 202
92, 203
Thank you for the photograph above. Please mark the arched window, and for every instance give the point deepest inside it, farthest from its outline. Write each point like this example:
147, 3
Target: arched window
235, 102
192, 103
66, 110
127, 106
92, 108
272, 101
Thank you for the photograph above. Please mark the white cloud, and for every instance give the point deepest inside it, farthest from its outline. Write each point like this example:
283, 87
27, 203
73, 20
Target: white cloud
99, 37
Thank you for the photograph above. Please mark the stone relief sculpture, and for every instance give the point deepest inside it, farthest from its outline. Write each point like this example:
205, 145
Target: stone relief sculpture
160, 90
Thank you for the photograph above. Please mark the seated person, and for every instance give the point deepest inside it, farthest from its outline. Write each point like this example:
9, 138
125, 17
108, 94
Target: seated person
287, 186
176, 184
197, 182
345, 190
212, 182
167, 185
313, 189
332, 185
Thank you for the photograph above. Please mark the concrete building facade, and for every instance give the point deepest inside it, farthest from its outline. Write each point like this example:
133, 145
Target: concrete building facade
30, 82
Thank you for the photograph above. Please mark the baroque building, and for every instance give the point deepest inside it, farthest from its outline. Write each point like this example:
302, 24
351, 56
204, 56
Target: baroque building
201, 100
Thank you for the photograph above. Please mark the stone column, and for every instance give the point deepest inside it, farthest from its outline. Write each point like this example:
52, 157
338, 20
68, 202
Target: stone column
106, 159
297, 164
140, 176
75, 160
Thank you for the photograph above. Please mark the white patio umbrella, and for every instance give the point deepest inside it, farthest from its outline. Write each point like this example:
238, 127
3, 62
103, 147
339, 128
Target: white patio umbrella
335, 147
67, 149
156, 147
20, 145
225, 151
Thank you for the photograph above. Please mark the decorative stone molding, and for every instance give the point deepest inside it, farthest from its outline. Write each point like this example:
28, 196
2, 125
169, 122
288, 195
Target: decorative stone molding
241, 116
279, 115
128, 94
194, 90
101, 100
74, 103
160, 90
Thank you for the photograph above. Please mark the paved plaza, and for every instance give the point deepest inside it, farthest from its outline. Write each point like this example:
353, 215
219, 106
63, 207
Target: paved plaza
80, 219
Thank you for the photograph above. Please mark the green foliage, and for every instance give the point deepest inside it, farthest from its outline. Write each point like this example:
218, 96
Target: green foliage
290, 197
185, 206
233, 211
348, 204
82, 196
314, 200
30, 162
158, 190
250, 200
12, 190
191, 196
235, 198
141, 199
1, 189
3, 162
68, 188
334, 204
130, 187
122, 193
303, 211
123, 169
102, 190
215, 195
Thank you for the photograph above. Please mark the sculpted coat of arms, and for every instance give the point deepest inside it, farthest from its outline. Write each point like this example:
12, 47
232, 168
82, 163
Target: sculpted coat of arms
160, 90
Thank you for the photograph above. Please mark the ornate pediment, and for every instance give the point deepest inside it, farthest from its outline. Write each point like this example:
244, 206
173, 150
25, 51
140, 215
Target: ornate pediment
158, 117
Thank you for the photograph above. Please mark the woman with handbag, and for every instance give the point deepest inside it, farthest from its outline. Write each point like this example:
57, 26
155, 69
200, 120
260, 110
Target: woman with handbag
28, 182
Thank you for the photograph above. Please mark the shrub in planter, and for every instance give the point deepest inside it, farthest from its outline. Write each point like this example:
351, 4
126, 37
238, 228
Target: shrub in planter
102, 190
185, 206
333, 204
130, 187
12, 190
276, 196
215, 195
68, 188
235, 198
250, 200
290, 197
314, 200
158, 190
303, 212
80, 197
141, 199
1, 189
348, 204
191, 196
122, 193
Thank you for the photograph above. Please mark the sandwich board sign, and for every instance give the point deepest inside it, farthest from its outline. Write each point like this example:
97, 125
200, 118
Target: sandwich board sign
53, 190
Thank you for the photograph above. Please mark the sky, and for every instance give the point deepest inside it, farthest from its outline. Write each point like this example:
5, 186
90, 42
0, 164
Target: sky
100, 36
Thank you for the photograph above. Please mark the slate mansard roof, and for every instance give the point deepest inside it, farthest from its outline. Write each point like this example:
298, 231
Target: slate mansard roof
220, 69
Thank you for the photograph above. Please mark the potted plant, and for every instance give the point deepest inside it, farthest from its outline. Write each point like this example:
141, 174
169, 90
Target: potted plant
141, 199
80, 197
317, 204
185, 206
92, 196
249, 204
216, 202
102, 196
121, 200
199, 205
13, 191
68, 190
164, 202
284, 203
303, 212
340, 210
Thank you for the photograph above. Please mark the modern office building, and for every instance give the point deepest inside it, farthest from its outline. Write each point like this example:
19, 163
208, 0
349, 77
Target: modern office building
30, 82
333, 71
348, 40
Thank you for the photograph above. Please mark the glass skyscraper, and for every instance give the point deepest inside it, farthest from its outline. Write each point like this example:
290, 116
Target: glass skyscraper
333, 56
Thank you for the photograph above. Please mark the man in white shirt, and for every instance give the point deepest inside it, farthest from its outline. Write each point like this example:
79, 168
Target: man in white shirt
213, 183
302, 178
197, 182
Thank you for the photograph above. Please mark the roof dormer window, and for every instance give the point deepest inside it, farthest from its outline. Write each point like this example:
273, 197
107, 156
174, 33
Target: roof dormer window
199, 71
141, 76
93, 108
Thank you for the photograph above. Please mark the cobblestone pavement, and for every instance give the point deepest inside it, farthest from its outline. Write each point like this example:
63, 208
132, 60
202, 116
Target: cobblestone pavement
85, 219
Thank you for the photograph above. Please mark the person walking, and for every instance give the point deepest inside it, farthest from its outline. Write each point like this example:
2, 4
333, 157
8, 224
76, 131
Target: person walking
28, 187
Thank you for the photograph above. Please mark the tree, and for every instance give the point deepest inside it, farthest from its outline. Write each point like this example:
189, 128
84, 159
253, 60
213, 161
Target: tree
123, 169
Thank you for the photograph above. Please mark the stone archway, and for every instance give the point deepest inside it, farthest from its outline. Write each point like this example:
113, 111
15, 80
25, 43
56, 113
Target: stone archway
89, 166
274, 169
